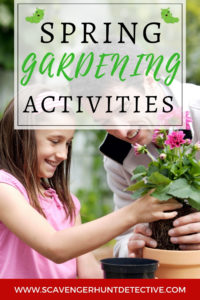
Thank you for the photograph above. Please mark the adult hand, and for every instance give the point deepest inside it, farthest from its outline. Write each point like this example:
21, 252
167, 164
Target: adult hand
141, 237
186, 232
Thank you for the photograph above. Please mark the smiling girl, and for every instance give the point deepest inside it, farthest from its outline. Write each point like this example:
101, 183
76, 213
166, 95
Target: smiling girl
41, 235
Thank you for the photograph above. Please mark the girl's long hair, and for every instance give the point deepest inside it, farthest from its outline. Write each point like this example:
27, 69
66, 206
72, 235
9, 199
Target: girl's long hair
18, 157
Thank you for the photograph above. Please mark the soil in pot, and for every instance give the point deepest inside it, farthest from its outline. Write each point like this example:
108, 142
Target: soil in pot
160, 229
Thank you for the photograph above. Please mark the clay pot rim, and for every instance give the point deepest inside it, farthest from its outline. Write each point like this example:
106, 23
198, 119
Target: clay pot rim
174, 257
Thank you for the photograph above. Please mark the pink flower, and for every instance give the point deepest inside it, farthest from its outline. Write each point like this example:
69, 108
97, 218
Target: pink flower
188, 142
188, 120
159, 137
175, 139
197, 146
139, 149
163, 156
155, 134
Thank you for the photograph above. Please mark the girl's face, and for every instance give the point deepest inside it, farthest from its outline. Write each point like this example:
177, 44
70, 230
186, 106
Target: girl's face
52, 149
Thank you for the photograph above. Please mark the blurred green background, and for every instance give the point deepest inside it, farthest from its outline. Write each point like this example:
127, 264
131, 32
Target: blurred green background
88, 176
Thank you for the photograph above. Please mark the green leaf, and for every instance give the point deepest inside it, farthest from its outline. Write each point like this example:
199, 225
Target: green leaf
152, 168
139, 169
196, 183
195, 194
139, 193
137, 176
158, 178
185, 161
183, 170
194, 204
197, 180
178, 171
136, 186
161, 193
174, 169
180, 188
164, 171
195, 170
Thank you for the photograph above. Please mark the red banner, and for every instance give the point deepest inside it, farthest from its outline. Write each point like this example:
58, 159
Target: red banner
96, 289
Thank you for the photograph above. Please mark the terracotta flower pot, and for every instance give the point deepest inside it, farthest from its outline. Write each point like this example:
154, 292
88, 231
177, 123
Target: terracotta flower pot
175, 264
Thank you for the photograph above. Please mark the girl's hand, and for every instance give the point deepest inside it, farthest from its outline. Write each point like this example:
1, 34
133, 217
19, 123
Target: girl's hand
150, 209
141, 237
